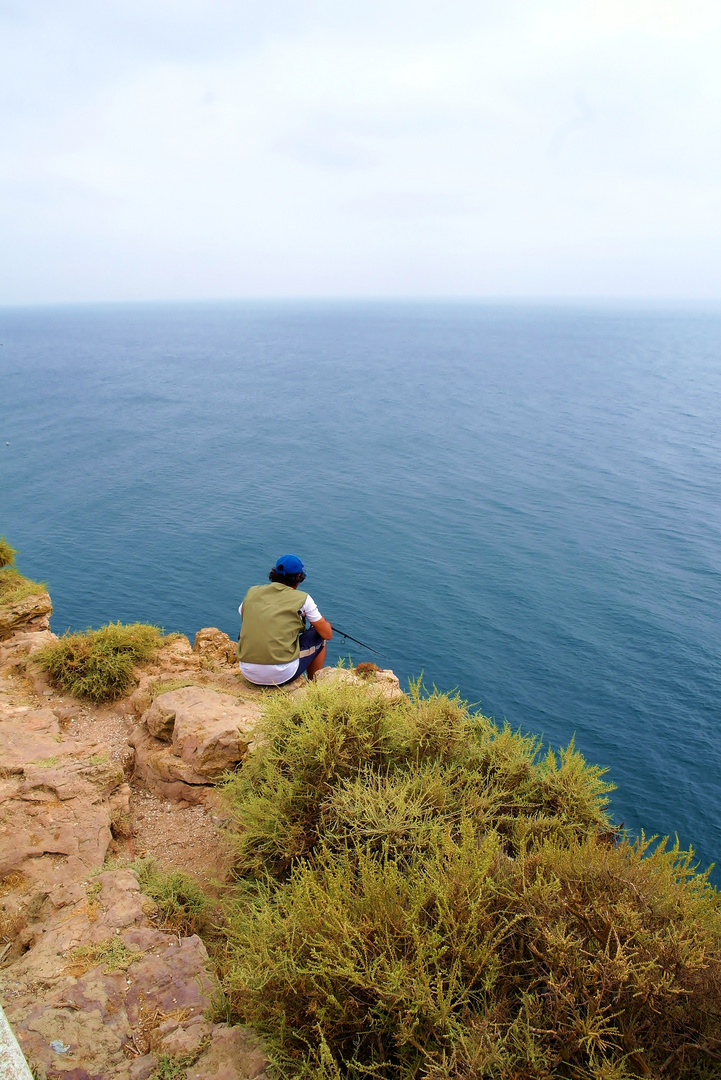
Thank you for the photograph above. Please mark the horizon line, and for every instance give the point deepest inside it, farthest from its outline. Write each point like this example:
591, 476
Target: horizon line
465, 299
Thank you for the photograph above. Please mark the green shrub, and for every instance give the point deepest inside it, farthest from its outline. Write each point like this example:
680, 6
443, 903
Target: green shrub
13, 586
98, 664
171, 1068
345, 765
182, 904
7, 553
438, 901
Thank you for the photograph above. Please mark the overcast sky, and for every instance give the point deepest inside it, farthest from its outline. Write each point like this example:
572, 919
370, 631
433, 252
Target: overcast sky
161, 149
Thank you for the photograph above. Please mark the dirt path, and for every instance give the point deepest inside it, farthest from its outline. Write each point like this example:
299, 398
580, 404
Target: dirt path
180, 838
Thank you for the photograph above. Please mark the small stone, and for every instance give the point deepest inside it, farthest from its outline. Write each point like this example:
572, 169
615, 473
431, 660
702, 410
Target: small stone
143, 1067
234, 1054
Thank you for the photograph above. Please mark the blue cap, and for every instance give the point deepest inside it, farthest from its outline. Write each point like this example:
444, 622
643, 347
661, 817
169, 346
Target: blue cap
289, 564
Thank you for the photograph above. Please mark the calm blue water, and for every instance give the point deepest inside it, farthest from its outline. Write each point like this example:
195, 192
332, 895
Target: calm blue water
521, 502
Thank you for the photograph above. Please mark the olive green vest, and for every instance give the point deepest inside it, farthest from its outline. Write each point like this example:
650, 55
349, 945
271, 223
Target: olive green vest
271, 624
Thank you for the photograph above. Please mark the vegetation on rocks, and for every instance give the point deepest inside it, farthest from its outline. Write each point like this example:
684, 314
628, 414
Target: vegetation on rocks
422, 894
182, 905
98, 664
13, 585
112, 954
172, 1068
7, 553
164, 686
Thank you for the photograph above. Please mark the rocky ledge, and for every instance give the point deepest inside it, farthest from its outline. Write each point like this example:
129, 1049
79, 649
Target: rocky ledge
92, 983
92, 986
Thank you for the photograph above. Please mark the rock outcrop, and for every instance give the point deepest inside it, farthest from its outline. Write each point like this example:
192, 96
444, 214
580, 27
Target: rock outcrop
377, 679
30, 613
55, 799
17, 648
92, 988
188, 738
213, 646
102, 993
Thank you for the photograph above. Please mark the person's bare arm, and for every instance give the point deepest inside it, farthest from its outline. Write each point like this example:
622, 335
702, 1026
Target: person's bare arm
324, 628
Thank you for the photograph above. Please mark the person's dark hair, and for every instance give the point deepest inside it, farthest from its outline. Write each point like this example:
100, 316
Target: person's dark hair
286, 579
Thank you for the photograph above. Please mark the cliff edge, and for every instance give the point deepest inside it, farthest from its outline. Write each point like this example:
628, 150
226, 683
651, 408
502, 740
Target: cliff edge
386, 884
92, 982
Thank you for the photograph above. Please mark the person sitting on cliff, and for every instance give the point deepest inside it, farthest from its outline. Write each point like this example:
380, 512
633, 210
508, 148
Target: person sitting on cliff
274, 647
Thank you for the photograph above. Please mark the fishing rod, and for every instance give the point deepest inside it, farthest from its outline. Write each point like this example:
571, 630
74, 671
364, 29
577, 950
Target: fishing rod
351, 638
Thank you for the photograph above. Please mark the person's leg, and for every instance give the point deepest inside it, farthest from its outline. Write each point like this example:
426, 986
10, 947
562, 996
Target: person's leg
316, 663
312, 653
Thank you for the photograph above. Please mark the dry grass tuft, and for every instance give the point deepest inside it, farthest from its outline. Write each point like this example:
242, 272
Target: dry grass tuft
149, 1019
7, 553
13, 586
164, 686
112, 954
366, 670
98, 664
12, 882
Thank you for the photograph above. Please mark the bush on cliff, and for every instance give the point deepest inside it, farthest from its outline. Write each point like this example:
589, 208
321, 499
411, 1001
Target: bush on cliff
13, 586
7, 553
421, 895
98, 664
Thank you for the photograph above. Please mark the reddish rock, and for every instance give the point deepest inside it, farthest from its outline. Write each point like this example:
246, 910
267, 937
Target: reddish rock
58, 795
235, 1053
15, 650
143, 1067
380, 680
53, 807
95, 1013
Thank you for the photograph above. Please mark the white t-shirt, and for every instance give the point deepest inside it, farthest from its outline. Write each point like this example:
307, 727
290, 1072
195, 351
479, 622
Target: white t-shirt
272, 674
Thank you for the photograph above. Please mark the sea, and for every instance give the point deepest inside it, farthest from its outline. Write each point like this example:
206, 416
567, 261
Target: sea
520, 502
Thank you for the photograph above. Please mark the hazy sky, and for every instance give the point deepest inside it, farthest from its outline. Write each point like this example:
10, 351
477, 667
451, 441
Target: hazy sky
157, 149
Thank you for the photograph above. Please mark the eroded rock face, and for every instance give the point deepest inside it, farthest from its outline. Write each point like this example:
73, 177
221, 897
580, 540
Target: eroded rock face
55, 819
30, 613
175, 660
189, 737
21, 645
176, 653
234, 1054
159, 719
162, 771
213, 743
142, 993
216, 647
